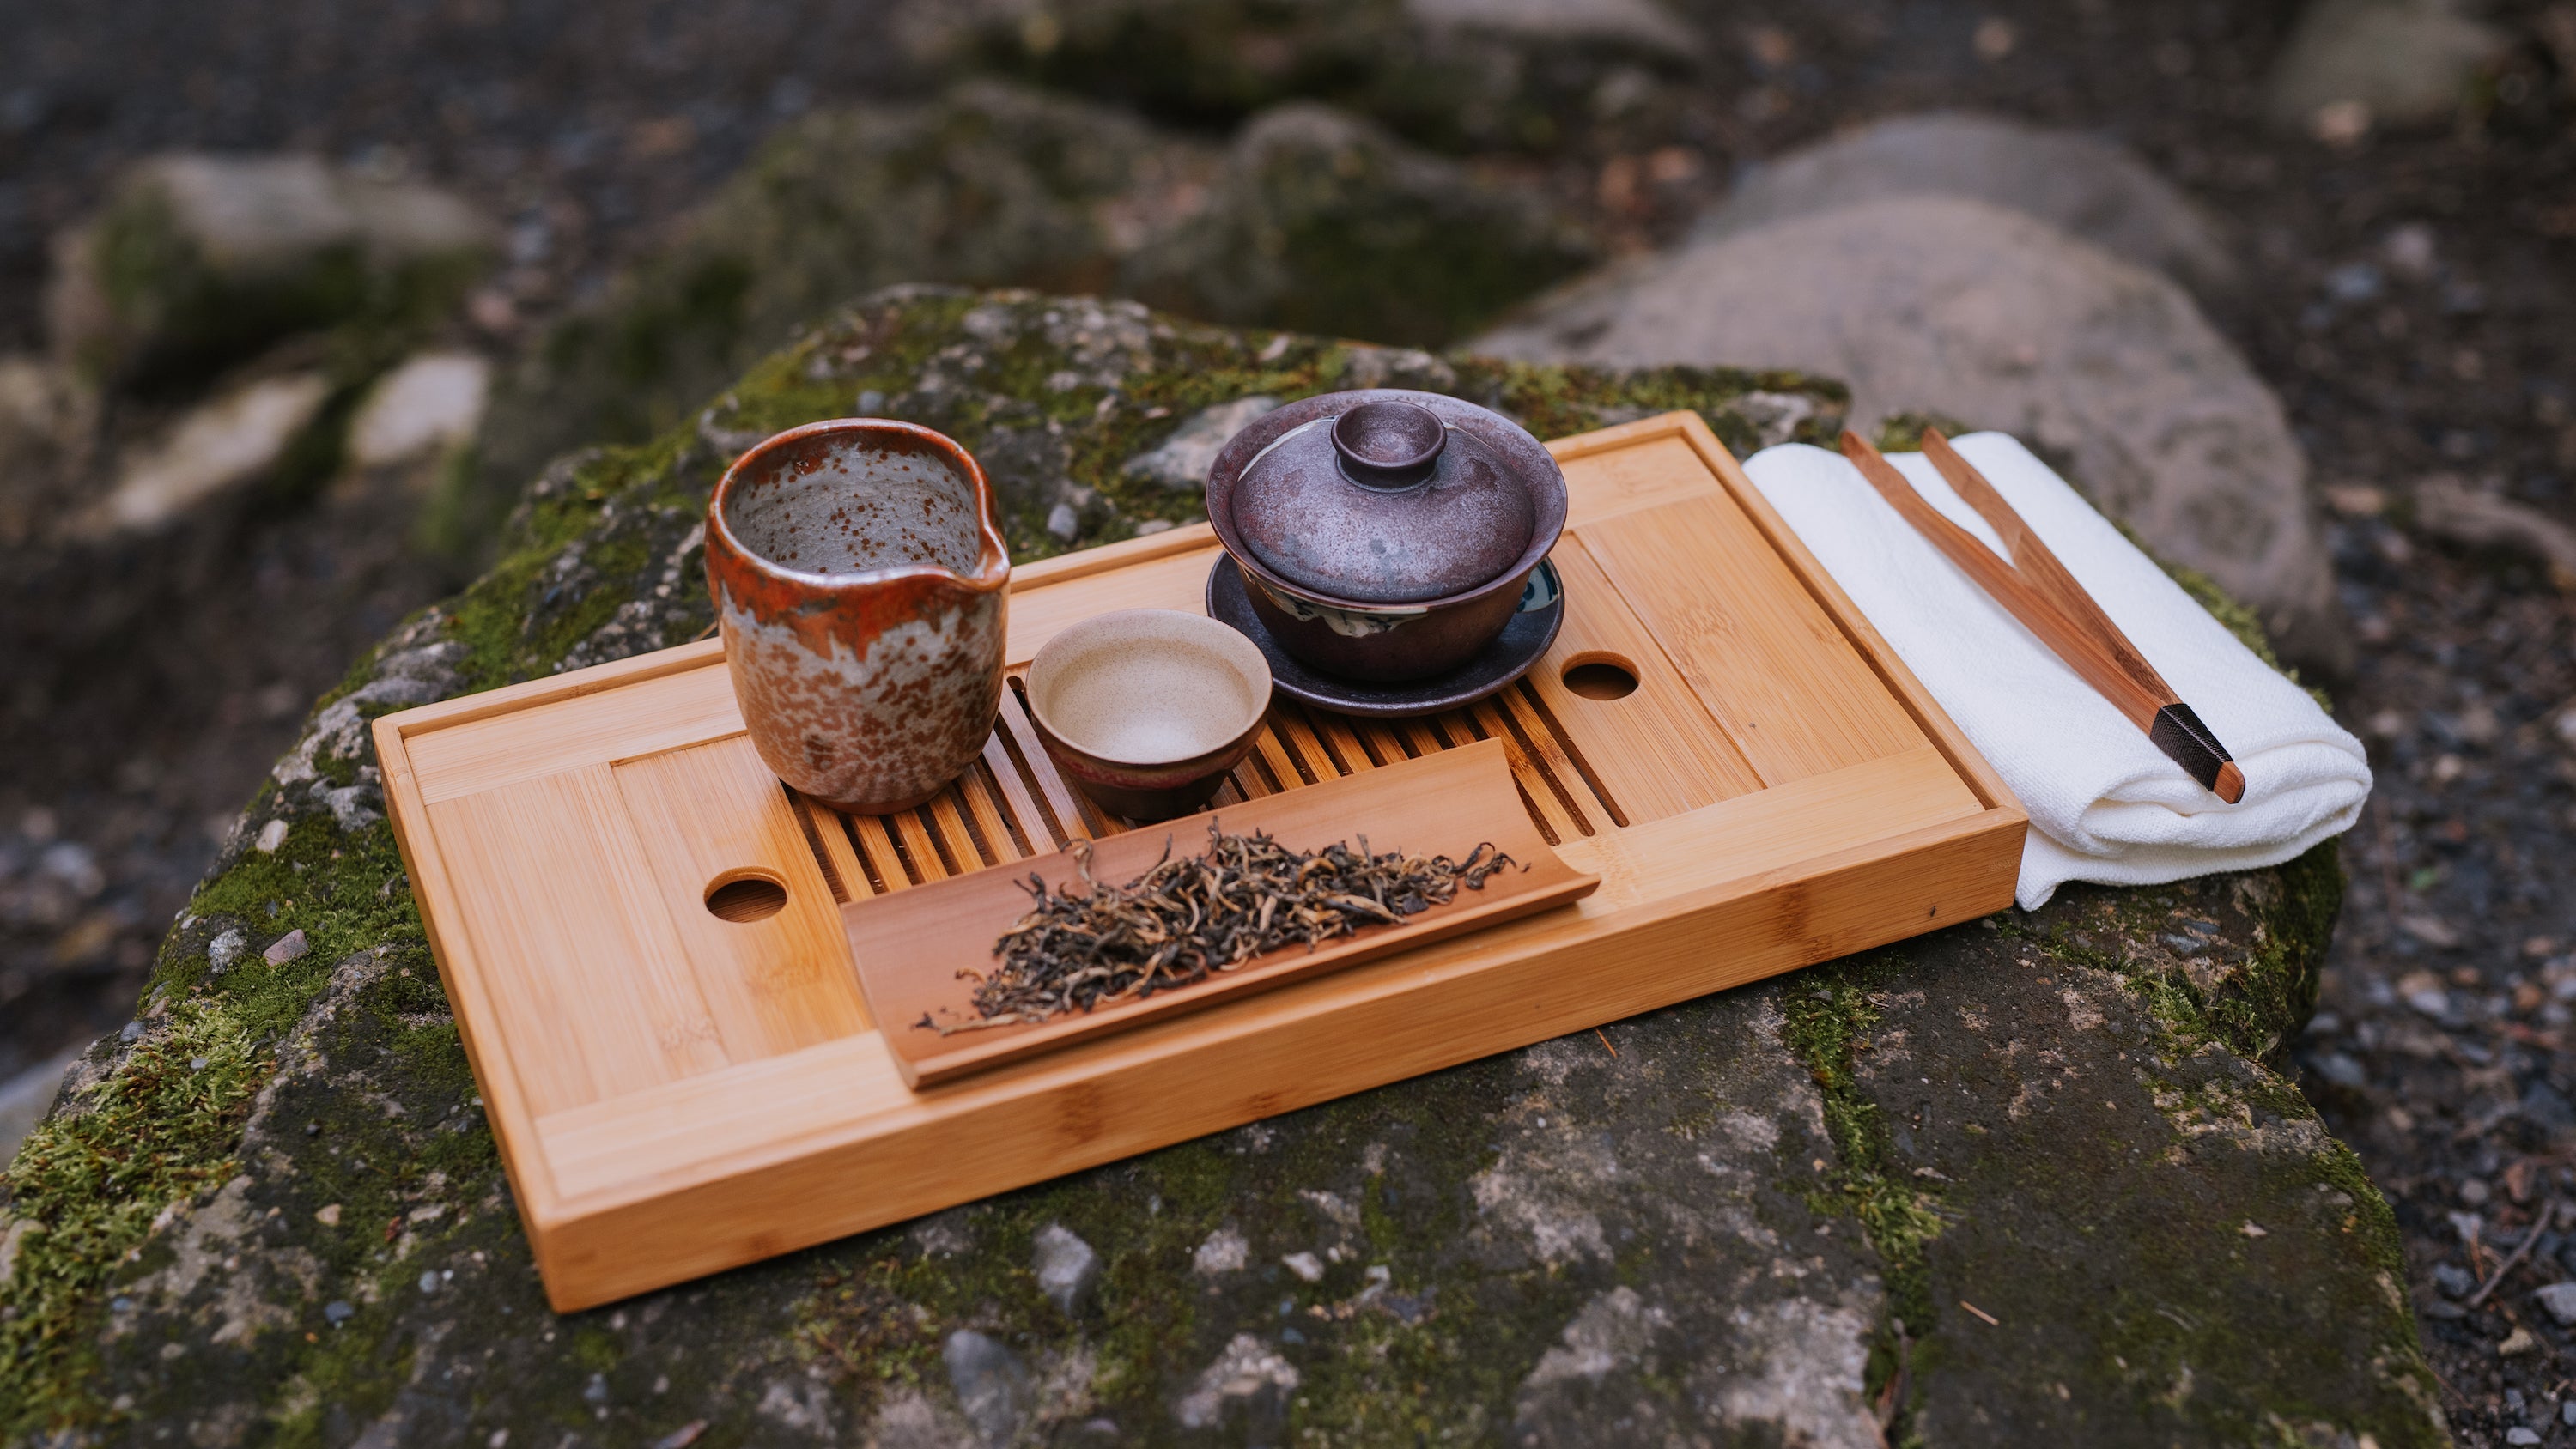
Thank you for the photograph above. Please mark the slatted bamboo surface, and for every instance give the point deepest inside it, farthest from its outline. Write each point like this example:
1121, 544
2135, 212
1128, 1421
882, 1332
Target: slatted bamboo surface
918, 952
640, 928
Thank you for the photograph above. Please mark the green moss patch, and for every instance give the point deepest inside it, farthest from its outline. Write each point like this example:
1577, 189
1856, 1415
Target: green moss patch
87, 1184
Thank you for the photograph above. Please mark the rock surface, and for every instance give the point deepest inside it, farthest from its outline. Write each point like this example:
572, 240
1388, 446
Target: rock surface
48, 430
1323, 222
215, 449
426, 403
988, 184
2029, 1181
1936, 304
2084, 185
1454, 74
199, 260
1182, 461
1312, 219
2395, 62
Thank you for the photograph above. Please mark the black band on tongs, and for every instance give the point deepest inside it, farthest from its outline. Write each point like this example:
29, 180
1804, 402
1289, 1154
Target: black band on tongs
2188, 743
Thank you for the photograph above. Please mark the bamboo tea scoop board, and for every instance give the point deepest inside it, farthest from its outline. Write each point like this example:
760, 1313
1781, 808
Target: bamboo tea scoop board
916, 950
642, 932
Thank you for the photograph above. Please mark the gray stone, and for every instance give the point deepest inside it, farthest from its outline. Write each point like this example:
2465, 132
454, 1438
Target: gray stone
1324, 222
991, 1384
213, 452
1222, 1251
429, 403
1247, 1376
1637, 23
1181, 461
2560, 1300
1454, 74
226, 948
2454, 1280
200, 259
73, 866
2450, 509
2390, 62
1066, 1266
1953, 307
48, 434
2085, 185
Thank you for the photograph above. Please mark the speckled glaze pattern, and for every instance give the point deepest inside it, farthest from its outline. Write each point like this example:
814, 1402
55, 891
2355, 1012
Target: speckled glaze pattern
858, 573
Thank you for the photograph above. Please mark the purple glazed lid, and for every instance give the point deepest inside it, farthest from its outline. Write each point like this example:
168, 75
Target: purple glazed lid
1387, 497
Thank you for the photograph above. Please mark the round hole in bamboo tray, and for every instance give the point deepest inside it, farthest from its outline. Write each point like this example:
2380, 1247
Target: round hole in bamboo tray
1600, 676
745, 896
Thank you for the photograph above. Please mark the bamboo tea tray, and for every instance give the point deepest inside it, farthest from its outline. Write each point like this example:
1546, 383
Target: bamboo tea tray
643, 937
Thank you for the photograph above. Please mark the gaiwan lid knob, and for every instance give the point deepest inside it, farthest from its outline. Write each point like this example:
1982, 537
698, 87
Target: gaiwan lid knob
1383, 504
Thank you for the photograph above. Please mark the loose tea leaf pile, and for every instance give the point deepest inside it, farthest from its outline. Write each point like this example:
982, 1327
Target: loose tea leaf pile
1087, 944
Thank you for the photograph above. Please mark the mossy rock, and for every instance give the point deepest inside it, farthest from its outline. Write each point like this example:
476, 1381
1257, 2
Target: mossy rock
1326, 223
198, 262
1454, 76
1313, 220
273, 1214
988, 184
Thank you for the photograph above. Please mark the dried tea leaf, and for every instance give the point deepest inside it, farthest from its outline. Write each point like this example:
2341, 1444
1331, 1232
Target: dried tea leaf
1086, 944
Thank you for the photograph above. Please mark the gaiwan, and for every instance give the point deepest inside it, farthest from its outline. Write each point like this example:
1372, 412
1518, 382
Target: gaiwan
1385, 535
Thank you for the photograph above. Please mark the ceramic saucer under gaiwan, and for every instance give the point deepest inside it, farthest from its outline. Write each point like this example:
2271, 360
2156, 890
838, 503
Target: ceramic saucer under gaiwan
1509, 655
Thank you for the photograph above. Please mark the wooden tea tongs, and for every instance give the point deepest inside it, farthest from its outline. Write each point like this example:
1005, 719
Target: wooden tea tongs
2037, 590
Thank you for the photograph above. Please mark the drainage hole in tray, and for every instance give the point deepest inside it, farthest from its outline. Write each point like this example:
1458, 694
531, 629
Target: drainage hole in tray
746, 897
1601, 676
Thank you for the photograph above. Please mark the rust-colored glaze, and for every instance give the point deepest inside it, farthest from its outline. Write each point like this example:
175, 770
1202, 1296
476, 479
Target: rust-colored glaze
858, 571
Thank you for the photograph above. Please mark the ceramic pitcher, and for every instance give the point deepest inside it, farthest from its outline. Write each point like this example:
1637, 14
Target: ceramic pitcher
858, 574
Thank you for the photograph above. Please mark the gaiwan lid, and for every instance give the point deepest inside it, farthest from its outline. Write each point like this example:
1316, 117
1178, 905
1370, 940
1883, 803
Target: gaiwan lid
1383, 503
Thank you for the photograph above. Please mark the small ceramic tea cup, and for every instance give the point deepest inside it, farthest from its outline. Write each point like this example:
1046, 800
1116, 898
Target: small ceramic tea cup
858, 570
1145, 710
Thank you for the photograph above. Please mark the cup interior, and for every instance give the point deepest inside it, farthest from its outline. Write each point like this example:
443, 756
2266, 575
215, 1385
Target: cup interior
1149, 686
855, 502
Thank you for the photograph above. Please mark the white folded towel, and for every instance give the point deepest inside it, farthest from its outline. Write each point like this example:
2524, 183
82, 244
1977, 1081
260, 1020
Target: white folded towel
2105, 805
